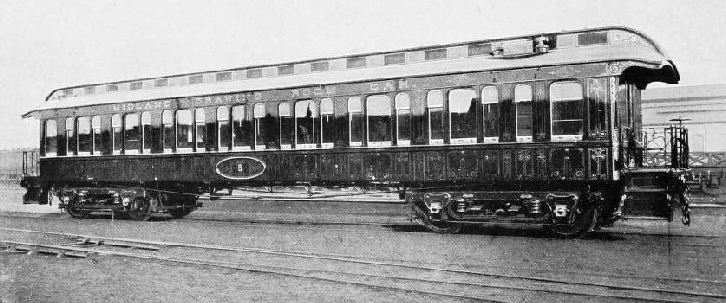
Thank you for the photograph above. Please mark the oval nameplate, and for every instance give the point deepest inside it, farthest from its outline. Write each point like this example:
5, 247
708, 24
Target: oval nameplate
240, 168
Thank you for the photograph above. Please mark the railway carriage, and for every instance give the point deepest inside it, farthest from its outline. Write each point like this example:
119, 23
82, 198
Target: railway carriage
538, 129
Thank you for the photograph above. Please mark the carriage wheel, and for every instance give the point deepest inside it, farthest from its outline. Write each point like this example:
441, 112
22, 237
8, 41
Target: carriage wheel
584, 221
73, 210
180, 212
139, 210
441, 227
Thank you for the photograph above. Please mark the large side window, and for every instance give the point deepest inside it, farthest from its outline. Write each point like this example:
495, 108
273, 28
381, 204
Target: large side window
168, 137
146, 132
71, 144
435, 113
490, 116
378, 113
132, 134
117, 140
184, 131
224, 133
260, 131
287, 125
51, 138
85, 137
355, 121
306, 130
566, 111
327, 124
240, 128
523, 109
462, 115
199, 129
97, 138
403, 119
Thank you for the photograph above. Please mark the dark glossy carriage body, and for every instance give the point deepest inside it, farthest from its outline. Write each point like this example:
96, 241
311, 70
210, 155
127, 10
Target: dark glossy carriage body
489, 155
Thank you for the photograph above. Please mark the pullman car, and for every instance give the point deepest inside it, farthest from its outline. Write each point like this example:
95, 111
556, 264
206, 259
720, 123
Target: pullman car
539, 129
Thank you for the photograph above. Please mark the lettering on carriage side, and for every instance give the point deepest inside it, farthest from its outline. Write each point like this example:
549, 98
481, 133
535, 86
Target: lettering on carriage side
240, 168
382, 87
139, 106
313, 92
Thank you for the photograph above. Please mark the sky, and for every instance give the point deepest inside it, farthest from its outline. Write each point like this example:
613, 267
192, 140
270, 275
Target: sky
46, 45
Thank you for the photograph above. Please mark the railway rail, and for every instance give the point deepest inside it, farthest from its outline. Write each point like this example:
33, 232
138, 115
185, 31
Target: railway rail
452, 281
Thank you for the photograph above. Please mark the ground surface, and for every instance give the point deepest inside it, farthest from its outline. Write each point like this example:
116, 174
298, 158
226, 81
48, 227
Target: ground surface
696, 255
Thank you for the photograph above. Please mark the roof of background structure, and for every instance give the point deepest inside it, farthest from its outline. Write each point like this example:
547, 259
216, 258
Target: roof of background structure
684, 93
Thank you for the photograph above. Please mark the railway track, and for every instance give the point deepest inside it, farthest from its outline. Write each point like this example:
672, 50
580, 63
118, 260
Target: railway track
451, 281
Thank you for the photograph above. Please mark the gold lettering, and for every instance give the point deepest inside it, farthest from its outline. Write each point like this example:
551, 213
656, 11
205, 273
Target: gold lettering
330, 90
389, 86
374, 87
402, 84
167, 103
295, 93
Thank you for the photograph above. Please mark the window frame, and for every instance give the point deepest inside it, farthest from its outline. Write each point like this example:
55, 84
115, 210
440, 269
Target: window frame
146, 146
281, 115
368, 124
177, 132
117, 133
494, 139
322, 115
440, 107
96, 131
581, 99
70, 133
397, 113
47, 139
127, 151
258, 124
350, 113
78, 135
463, 140
242, 121
226, 119
170, 125
524, 138
200, 122
316, 114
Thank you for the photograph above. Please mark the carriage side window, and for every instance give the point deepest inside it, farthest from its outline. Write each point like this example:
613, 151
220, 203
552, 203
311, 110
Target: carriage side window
97, 139
132, 134
378, 114
117, 134
327, 125
403, 119
462, 115
240, 128
306, 132
435, 113
71, 144
355, 121
224, 133
199, 129
287, 125
168, 137
260, 131
184, 131
146, 132
85, 137
51, 138
523, 109
566, 111
490, 116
